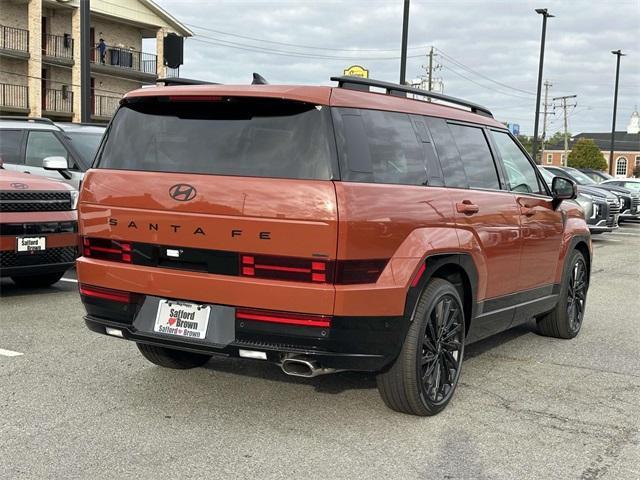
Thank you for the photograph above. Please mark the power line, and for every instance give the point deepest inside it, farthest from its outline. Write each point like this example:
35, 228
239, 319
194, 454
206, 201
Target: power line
269, 51
311, 47
471, 70
480, 84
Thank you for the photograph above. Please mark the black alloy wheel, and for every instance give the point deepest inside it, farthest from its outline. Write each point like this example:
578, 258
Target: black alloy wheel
442, 350
423, 378
577, 294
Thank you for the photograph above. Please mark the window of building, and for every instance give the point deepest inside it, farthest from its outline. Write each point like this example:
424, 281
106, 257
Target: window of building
637, 160
549, 158
41, 145
476, 157
621, 166
562, 158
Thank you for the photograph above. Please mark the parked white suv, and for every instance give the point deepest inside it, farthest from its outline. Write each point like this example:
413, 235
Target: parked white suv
25, 143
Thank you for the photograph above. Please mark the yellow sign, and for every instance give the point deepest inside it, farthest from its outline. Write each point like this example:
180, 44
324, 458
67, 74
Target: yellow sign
357, 71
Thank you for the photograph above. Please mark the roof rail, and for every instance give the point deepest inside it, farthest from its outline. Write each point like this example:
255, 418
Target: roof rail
358, 83
28, 119
175, 81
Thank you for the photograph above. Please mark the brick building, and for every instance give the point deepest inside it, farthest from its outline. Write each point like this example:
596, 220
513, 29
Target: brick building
626, 150
40, 54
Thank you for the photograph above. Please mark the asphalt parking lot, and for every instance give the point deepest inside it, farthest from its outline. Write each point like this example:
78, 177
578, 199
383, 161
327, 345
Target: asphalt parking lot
79, 405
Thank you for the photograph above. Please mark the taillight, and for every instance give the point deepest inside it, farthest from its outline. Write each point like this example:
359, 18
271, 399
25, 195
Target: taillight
107, 249
102, 293
269, 316
350, 272
286, 268
342, 272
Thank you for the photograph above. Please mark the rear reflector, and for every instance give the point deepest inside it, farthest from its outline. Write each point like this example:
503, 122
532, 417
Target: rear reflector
114, 332
107, 294
418, 276
283, 318
252, 354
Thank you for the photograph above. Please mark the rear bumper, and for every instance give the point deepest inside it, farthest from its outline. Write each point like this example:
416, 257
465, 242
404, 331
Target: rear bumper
360, 343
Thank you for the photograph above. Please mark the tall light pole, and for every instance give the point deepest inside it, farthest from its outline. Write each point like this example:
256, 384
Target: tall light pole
534, 145
405, 33
618, 54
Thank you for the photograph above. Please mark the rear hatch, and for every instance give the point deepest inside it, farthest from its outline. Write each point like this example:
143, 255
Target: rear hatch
233, 188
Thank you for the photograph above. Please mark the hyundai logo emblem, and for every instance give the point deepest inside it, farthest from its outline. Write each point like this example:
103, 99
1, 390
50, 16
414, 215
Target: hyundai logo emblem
19, 186
183, 192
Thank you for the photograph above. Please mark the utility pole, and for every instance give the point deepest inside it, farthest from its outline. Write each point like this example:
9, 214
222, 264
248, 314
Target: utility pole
618, 54
564, 106
85, 66
534, 145
547, 85
403, 53
430, 71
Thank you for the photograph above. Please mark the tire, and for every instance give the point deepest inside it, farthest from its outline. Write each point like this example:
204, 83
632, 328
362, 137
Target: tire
171, 358
402, 387
565, 320
38, 281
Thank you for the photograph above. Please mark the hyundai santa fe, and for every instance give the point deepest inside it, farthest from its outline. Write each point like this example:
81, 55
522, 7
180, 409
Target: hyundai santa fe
324, 229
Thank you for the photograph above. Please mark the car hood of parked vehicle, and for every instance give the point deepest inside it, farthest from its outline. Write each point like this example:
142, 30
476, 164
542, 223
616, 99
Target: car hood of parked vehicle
597, 192
617, 189
17, 181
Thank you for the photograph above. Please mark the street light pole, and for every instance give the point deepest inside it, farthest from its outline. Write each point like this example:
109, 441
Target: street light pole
618, 54
534, 145
405, 33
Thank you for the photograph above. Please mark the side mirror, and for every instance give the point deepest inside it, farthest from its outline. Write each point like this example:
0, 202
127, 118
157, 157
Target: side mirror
563, 189
55, 163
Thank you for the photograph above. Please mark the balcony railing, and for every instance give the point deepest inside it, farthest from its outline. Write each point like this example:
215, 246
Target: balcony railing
59, 46
126, 58
104, 105
58, 100
14, 96
12, 38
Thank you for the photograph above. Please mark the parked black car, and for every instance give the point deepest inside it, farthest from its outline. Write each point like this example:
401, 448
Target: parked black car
629, 200
597, 176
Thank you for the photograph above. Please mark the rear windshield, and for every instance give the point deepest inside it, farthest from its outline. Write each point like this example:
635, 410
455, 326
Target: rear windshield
226, 136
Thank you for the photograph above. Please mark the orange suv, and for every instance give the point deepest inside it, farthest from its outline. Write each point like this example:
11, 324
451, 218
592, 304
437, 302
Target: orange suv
324, 229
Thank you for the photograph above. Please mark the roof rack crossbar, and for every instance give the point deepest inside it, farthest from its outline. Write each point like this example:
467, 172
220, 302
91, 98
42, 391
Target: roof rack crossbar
357, 83
28, 119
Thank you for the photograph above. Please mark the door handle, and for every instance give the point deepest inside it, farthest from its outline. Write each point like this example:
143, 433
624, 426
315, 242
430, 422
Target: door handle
467, 207
26, 171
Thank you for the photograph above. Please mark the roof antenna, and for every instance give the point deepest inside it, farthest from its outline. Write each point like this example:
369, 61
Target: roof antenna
259, 79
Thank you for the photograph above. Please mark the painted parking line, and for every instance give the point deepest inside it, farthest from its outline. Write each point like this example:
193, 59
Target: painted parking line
9, 353
72, 280
631, 234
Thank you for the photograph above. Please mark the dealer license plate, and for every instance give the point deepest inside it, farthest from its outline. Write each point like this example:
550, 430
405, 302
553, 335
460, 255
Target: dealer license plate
31, 244
182, 319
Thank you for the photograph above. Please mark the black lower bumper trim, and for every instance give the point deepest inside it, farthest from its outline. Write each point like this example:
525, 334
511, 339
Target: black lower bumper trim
328, 359
28, 270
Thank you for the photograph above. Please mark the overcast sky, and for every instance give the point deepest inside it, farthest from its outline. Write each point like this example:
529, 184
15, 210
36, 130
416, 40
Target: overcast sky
479, 42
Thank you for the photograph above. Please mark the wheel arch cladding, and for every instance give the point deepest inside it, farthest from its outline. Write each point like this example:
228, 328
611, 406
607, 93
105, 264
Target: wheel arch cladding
456, 268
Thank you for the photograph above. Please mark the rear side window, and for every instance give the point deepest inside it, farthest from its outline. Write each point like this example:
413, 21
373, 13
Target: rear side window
41, 145
452, 169
227, 136
10, 143
379, 147
476, 157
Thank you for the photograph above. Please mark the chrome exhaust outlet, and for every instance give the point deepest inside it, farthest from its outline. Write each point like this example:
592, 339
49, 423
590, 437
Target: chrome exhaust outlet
304, 367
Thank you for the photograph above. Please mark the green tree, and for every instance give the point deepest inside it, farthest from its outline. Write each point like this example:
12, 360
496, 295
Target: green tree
586, 154
557, 137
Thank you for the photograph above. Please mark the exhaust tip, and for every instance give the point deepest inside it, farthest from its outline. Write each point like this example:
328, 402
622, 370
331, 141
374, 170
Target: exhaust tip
298, 368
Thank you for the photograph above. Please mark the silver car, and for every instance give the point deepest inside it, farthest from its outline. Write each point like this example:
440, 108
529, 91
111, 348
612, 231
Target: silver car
38, 146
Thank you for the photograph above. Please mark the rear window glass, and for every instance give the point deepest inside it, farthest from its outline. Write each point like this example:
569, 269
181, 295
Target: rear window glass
237, 136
